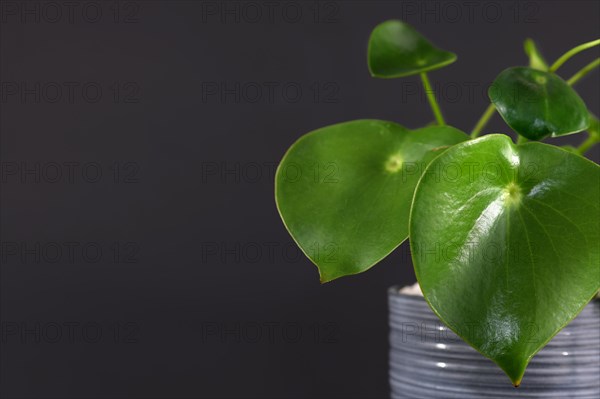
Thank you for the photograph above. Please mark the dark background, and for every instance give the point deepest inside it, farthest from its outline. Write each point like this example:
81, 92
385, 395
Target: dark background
198, 290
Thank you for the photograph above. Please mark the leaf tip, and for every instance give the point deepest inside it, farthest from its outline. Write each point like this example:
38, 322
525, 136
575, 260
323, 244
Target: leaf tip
514, 370
324, 278
517, 381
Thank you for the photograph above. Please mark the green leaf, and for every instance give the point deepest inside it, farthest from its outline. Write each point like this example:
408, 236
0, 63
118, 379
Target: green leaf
344, 191
396, 49
537, 104
505, 243
536, 60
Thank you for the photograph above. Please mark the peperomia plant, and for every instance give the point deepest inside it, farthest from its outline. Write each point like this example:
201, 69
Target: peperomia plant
504, 237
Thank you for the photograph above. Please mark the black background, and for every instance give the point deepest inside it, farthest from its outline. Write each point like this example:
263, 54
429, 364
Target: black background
206, 291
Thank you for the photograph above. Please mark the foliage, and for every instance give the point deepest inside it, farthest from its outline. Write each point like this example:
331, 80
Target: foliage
504, 237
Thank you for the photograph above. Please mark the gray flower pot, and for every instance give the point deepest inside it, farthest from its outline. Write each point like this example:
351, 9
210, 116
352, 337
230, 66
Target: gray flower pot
427, 360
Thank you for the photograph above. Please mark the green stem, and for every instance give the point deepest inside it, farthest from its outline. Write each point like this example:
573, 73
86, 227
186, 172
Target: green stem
587, 144
489, 112
584, 71
565, 57
536, 60
432, 101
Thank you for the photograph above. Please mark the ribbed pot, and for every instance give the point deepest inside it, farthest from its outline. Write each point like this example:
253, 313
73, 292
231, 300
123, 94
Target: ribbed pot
427, 360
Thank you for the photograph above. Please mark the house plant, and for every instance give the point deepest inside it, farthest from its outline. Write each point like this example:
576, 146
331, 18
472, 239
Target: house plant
504, 236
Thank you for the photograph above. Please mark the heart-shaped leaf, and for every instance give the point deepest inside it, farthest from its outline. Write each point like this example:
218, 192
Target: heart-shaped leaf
344, 191
537, 104
396, 49
505, 243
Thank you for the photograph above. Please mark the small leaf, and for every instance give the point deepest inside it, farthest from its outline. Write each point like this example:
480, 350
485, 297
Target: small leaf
396, 49
505, 244
344, 191
537, 104
536, 60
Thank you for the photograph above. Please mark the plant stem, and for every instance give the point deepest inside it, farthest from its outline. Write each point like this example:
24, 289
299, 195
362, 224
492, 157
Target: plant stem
536, 60
587, 144
521, 139
565, 57
584, 71
432, 101
489, 112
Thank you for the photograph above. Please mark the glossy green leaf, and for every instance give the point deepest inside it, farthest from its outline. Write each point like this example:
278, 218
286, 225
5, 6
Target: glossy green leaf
536, 60
505, 243
537, 104
344, 191
396, 49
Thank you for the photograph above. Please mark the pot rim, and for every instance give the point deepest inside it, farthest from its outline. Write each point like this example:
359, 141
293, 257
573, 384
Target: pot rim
394, 290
